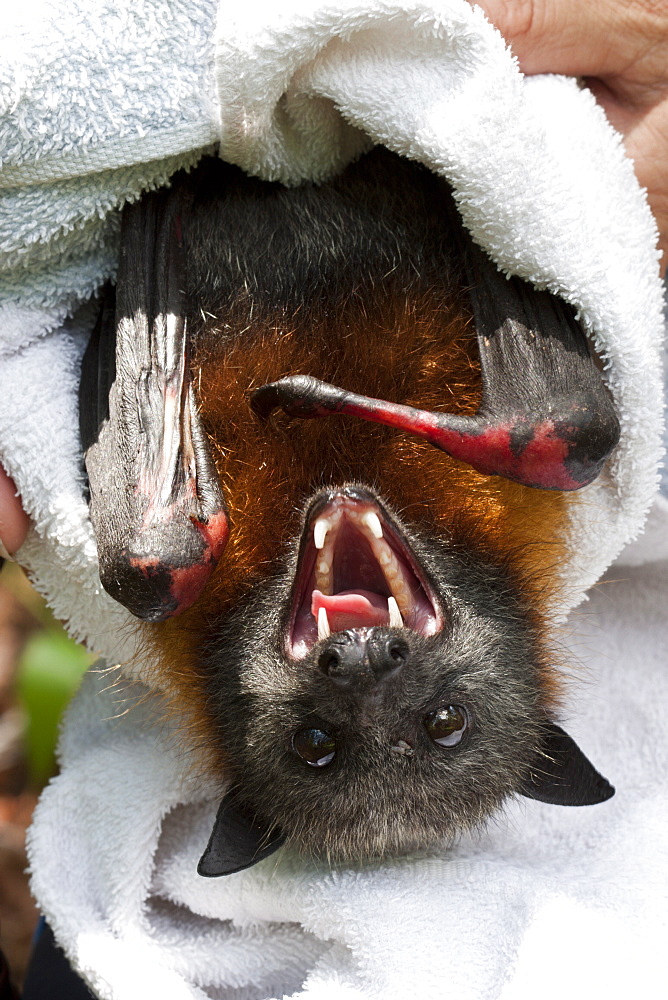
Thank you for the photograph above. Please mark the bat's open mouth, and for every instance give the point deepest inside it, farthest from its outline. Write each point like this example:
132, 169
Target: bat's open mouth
356, 570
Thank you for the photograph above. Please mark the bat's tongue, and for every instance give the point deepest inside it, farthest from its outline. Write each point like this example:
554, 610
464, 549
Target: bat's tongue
351, 609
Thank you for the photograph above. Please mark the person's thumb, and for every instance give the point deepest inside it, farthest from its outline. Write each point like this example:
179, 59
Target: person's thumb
607, 38
14, 522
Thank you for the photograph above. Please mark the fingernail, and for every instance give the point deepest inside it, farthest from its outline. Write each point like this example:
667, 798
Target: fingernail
4, 554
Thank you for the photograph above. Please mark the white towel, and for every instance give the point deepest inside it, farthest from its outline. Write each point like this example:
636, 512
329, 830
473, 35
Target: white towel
90, 94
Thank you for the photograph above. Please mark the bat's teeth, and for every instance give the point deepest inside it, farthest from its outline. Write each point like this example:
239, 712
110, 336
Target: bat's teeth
323, 573
394, 575
396, 621
325, 534
323, 625
401, 595
320, 529
385, 557
372, 521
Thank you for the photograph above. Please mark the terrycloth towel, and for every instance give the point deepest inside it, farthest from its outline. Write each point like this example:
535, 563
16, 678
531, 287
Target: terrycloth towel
92, 92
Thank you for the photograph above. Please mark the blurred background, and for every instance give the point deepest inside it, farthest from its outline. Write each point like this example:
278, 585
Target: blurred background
40, 669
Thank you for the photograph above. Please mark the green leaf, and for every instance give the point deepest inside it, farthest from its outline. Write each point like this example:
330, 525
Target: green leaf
50, 670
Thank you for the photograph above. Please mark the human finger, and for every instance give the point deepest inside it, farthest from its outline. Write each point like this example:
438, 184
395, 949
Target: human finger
14, 521
620, 49
603, 39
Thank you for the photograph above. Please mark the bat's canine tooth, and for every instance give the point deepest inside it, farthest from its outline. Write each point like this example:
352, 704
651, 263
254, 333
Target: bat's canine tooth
323, 625
396, 621
372, 521
320, 529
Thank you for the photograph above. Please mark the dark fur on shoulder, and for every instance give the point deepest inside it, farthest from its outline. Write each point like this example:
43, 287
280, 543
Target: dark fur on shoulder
381, 228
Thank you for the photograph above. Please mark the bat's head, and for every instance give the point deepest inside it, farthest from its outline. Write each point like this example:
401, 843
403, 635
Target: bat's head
384, 692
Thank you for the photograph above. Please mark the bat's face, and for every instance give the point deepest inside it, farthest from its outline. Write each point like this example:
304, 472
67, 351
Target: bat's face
384, 690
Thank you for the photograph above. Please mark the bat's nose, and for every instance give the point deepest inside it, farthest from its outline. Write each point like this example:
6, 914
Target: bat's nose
360, 658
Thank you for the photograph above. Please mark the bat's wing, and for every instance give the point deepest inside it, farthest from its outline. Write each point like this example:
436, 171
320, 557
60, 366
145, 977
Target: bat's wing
155, 499
546, 419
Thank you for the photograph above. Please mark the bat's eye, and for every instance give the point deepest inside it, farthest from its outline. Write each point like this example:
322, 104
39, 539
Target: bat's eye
314, 746
447, 726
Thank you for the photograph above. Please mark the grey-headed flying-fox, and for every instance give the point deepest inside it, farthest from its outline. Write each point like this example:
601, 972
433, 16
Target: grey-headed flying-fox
354, 621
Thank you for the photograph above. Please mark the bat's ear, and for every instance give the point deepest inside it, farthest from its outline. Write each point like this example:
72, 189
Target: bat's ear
562, 775
237, 841
155, 499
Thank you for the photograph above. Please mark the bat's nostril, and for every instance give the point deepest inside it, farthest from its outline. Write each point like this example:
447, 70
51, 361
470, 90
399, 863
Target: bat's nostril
360, 656
387, 654
344, 658
331, 663
397, 650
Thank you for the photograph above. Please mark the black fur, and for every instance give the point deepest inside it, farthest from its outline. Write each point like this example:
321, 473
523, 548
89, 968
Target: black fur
381, 227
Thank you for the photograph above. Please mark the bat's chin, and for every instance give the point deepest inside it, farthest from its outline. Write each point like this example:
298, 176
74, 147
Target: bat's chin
356, 570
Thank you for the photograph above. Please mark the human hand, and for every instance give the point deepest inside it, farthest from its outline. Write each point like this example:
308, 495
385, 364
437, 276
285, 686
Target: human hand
620, 48
14, 522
